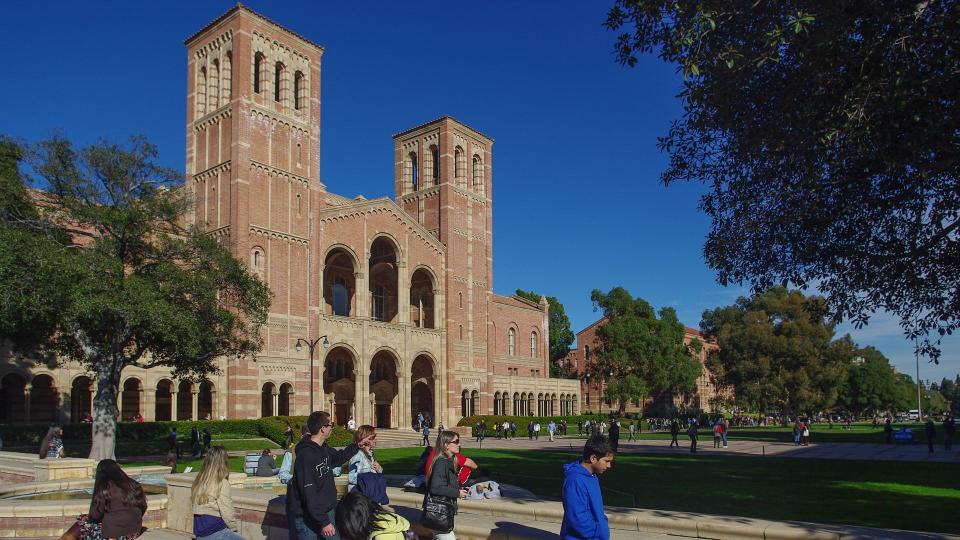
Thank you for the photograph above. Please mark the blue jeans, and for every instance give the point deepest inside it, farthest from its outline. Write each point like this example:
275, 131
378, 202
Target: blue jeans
222, 534
299, 530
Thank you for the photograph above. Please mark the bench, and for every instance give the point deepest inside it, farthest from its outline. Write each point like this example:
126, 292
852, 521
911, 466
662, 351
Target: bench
250, 462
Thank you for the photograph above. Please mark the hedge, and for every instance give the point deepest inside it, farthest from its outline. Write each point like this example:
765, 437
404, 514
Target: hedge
271, 428
522, 421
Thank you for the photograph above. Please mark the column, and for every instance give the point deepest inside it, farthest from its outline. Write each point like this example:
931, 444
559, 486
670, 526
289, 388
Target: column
150, 405
403, 293
174, 402
357, 411
402, 419
195, 403
361, 296
27, 388
141, 400
276, 402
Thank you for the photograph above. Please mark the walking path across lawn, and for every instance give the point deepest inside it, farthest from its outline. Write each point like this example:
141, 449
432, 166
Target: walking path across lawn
859, 451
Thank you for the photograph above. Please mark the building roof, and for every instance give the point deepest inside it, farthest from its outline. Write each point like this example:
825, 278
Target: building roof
687, 329
516, 301
241, 7
444, 117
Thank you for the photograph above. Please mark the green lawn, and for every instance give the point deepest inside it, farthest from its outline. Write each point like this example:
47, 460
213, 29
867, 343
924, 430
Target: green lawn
859, 433
903, 495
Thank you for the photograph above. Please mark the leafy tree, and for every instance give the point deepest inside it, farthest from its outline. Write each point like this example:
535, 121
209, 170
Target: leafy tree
871, 385
776, 352
638, 354
561, 336
144, 290
827, 134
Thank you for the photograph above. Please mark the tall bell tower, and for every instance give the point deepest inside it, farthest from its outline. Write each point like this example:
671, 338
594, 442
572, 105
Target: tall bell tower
443, 179
253, 165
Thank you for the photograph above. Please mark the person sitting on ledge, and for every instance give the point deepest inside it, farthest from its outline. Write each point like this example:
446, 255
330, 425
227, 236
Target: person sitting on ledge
52, 445
267, 466
116, 509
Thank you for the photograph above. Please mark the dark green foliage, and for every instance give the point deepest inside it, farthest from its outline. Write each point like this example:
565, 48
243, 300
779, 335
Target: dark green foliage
826, 133
776, 352
561, 336
871, 386
638, 354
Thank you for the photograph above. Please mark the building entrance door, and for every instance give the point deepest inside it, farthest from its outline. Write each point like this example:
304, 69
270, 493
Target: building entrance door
341, 413
383, 416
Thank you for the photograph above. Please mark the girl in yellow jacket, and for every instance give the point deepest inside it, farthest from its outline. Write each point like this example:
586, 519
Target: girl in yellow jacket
359, 518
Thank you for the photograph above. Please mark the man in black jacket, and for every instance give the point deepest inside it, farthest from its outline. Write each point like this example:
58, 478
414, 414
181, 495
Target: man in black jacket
311, 493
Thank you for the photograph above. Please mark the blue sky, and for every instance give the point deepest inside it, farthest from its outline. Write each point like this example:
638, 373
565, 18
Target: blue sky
577, 201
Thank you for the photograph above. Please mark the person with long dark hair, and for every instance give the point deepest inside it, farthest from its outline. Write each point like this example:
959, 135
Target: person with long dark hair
442, 475
116, 508
360, 518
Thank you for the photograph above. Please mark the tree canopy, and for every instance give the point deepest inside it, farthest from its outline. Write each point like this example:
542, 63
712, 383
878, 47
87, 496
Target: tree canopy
776, 352
143, 289
827, 135
871, 385
561, 336
638, 354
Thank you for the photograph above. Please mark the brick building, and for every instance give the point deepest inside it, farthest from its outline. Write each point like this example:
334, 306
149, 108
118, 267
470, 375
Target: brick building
591, 389
398, 292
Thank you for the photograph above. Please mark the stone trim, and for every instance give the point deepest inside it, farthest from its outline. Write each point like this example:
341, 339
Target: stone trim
299, 124
263, 231
278, 172
216, 169
380, 205
217, 114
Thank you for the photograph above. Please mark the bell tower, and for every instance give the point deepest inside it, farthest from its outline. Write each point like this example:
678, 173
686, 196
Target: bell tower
253, 165
443, 180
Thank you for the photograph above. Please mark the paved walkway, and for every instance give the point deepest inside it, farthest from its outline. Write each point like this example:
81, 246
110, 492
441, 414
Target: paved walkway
860, 451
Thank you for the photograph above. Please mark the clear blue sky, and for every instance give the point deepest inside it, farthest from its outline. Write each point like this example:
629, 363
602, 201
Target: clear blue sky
577, 205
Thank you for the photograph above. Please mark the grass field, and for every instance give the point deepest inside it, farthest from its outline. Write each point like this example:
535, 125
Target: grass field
859, 433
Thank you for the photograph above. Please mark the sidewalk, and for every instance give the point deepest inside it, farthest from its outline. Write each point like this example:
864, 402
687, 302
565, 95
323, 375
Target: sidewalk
857, 451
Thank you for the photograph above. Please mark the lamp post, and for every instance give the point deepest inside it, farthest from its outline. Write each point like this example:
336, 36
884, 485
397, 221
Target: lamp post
312, 345
587, 377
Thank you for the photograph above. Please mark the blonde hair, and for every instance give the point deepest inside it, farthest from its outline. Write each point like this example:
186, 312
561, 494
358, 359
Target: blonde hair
362, 433
215, 471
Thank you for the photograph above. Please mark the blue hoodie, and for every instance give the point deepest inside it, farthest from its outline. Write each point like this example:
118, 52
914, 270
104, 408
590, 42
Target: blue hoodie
583, 517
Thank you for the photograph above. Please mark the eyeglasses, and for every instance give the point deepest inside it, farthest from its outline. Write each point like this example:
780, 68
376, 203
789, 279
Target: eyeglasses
455, 442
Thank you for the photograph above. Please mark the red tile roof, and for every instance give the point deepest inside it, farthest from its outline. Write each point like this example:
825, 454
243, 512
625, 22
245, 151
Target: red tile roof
241, 7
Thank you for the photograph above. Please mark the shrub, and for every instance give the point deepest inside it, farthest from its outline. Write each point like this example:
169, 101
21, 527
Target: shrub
522, 421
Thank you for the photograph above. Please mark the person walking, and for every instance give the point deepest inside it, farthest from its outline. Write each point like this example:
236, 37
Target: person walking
551, 427
692, 433
426, 435
213, 514
930, 430
195, 450
442, 475
888, 430
630, 430
288, 436
716, 434
583, 516
536, 431
506, 429
513, 429
725, 427
949, 428
207, 439
311, 493
614, 435
579, 427
674, 431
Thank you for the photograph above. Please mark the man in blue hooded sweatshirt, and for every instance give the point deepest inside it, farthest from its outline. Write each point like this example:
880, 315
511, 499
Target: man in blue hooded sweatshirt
583, 517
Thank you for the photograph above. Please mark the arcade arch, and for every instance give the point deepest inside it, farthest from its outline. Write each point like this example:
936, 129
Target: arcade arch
339, 380
384, 276
339, 282
384, 387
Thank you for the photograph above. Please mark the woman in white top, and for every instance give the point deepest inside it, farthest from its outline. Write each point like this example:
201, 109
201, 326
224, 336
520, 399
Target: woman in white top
363, 461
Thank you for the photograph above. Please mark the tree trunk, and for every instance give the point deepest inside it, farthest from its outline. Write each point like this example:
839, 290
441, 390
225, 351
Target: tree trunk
104, 428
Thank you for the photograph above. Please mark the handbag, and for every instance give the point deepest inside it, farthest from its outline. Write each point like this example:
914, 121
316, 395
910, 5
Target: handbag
438, 512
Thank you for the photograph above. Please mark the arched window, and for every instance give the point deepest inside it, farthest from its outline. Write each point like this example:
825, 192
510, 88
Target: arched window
379, 303
460, 299
213, 87
299, 96
461, 331
410, 171
257, 261
464, 403
341, 298
259, 72
477, 174
227, 86
435, 165
202, 92
511, 342
279, 84
533, 344
460, 163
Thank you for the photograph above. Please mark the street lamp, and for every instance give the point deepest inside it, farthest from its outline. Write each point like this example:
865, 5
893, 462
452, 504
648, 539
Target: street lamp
312, 345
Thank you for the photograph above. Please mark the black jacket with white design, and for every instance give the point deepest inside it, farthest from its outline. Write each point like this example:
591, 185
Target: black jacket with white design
311, 492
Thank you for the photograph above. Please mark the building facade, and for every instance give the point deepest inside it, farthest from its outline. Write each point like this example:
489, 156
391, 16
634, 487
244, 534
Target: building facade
703, 398
397, 293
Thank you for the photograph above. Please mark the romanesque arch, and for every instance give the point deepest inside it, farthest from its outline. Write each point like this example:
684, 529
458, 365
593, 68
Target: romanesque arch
44, 399
13, 391
163, 408
422, 387
268, 392
474, 402
339, 281
185, 400
384, 279
339, 380
422, 286
130, 399
384, 387
81, 398
206, 401
285, 399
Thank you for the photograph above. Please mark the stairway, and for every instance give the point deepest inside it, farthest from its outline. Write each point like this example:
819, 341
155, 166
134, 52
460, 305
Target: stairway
397, 438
